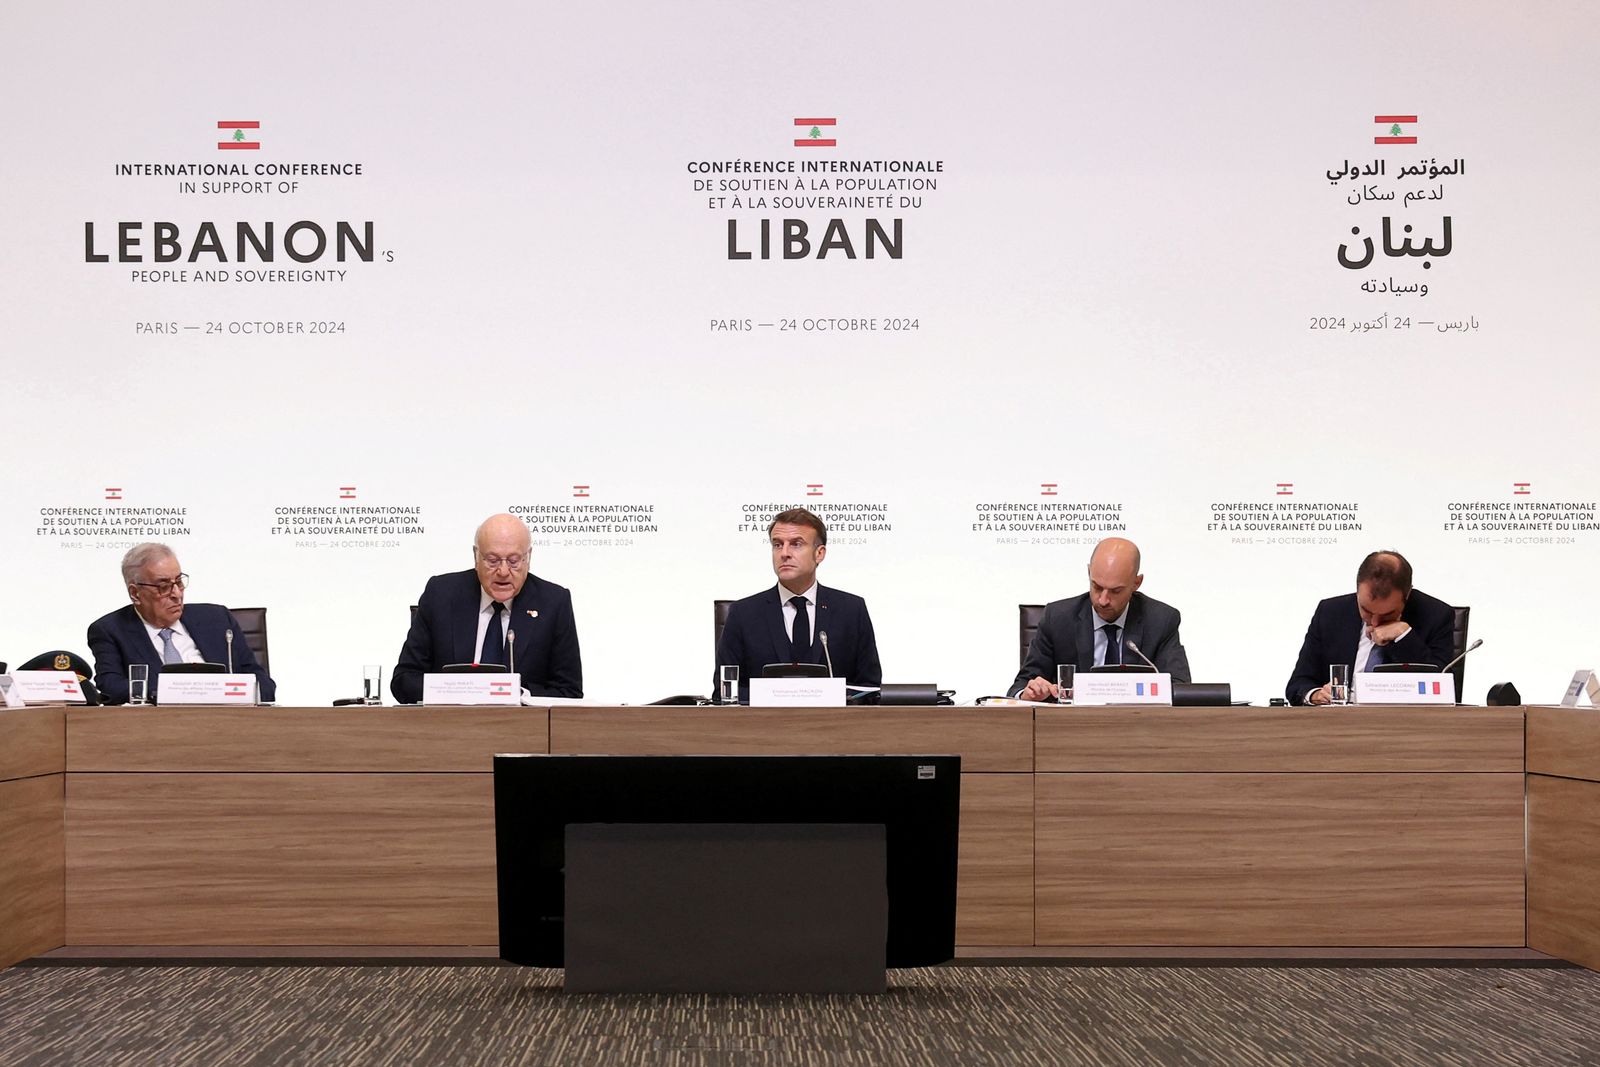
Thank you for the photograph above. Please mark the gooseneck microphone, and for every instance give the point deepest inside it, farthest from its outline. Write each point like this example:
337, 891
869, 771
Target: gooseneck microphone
1461, 657
1127, 643
511, 648
229, 635
822, 635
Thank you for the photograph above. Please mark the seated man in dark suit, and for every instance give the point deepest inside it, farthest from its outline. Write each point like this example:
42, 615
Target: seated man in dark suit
158, 628
1383, 621
799, 621
464, 617
1094, 629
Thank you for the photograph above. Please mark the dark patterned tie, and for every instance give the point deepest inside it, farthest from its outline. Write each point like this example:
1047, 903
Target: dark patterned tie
800, 636
494, 638
1113, 646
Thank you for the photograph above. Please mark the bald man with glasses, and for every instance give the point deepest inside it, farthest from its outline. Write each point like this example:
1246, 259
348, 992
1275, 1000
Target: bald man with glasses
490, 614
158, 628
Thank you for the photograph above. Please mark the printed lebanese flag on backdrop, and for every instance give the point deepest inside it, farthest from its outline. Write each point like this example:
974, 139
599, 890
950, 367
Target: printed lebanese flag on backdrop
816, 133
234, 136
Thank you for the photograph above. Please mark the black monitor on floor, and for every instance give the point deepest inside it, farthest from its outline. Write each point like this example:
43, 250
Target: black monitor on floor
915, 798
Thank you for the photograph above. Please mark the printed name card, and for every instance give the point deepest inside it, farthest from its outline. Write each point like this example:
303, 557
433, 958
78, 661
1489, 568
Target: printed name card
797, 692
46, 687
1583, 682
1423, 688
503, 688
206, 689
1090, 689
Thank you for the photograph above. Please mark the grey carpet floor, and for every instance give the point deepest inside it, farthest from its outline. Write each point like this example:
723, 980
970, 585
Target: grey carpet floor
220, 1016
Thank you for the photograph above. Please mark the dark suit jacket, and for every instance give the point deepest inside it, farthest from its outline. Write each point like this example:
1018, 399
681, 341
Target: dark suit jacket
444, 630
1066, 635
120, 638
755, 636
1335, 631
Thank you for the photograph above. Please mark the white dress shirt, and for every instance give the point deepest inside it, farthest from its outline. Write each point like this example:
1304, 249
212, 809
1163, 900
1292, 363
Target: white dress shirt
1100, 642
188, 651
486, 613
788, 611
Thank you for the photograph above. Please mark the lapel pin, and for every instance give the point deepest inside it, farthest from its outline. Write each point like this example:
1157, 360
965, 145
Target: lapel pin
532, 614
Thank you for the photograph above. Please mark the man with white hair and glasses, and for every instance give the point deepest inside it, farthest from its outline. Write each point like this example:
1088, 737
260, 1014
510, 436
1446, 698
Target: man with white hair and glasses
490, 614
157, 628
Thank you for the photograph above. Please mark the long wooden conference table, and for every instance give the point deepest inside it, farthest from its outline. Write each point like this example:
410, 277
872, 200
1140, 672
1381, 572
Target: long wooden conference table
1175, 829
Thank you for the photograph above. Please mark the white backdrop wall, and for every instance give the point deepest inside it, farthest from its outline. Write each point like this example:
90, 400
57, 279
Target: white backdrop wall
1124, 279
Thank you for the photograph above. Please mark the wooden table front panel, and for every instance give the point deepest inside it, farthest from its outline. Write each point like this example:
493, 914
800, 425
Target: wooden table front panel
1397, 739
1279, 859
32, 742
280, 859
1564, 867
994, 874
1564, 742
300, 739
986, 739
32, 879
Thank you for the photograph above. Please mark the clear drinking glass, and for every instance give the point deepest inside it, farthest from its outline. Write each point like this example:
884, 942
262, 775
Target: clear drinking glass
1066, 673
372, 683
138, 682
728, 684
1339, 683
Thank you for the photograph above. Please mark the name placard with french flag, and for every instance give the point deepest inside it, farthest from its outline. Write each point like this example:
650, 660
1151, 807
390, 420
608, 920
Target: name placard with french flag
46, 687
1090, 689
1408, 688
498, 688
206, 689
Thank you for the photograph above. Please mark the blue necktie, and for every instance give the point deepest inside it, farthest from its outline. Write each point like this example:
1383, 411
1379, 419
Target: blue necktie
169, 651
800, 636
1113, 646
494, 638
1375, 658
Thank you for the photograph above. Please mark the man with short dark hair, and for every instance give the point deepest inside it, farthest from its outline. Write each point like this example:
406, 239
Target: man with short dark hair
1384, 621
798, 620
1092, 629
491, 613
159, 628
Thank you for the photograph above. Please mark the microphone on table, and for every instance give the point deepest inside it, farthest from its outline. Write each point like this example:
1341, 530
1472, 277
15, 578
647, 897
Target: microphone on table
822, 635
511, 648
1461, 657
229, 635
1128, 644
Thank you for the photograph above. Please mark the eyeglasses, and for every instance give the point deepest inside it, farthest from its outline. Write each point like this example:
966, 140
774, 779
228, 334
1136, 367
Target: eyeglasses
512, 563
166, 585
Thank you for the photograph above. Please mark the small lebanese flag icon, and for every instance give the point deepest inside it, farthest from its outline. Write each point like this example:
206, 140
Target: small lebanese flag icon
236, 689
816, 133
234, 132
1395, 134
499, 689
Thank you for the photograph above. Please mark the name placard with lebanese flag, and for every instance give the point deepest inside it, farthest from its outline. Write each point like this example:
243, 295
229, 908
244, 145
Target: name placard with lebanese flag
1095, 690
1408, 688
46, 687
206, 689
496, 688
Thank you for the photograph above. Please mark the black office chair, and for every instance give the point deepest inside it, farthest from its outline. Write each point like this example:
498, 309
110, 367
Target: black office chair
719, 619
1028, 616
253, 621
1459, 643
